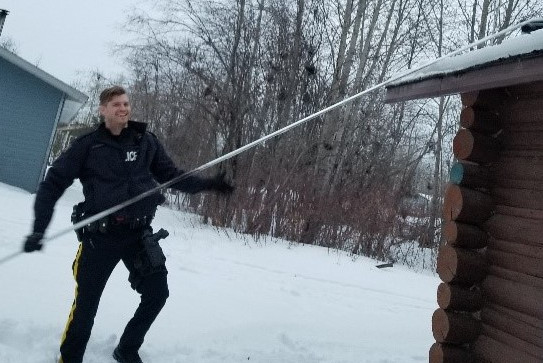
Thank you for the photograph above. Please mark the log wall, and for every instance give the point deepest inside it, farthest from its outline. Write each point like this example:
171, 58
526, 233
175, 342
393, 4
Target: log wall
491, 298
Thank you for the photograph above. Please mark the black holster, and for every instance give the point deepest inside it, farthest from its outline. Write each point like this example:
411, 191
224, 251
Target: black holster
150, 259
78, 215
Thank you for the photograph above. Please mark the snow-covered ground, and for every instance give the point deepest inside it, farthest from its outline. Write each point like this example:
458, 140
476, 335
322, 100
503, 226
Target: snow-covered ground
231, 299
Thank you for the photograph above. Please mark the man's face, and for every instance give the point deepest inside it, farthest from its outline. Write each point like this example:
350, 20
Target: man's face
117, 111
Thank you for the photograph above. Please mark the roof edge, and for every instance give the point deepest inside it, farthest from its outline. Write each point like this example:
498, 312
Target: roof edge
70, 92
514, 70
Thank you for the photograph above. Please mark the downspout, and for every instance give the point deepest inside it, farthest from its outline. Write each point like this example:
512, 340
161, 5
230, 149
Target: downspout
51, 138
3, 15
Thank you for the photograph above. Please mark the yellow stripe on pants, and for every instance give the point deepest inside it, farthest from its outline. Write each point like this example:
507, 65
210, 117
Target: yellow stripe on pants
71, 316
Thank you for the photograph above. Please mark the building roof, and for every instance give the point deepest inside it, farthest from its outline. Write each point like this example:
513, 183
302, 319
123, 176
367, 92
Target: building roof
514, 61
71, 93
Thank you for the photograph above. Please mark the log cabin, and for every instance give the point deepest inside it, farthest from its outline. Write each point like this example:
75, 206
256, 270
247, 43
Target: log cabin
490, 303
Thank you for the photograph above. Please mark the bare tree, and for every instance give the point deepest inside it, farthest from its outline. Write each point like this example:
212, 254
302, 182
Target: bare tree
211, 76
481, 18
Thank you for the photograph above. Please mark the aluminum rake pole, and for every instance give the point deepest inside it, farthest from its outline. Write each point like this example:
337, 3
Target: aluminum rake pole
244, 148
9, 257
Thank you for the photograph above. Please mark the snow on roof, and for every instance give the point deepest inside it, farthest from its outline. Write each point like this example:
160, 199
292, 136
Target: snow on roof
523, 46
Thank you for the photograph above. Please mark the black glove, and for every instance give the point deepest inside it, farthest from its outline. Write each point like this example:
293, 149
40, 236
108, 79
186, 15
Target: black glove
33, 242
220, 185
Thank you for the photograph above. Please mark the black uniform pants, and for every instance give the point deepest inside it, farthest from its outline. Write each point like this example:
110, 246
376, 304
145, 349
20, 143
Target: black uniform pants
94, 262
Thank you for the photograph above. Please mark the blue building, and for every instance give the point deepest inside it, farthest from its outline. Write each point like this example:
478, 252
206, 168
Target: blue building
32, 104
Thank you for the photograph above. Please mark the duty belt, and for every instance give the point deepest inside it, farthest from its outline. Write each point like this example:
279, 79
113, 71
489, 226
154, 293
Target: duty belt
131, 223
107, 224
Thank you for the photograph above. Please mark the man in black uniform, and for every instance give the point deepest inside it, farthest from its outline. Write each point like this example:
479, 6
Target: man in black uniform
116, 162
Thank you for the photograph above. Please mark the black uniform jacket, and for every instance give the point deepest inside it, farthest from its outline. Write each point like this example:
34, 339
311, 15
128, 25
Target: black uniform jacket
112, 169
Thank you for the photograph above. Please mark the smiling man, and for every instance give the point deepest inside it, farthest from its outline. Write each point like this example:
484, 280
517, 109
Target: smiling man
116, 162
115, 109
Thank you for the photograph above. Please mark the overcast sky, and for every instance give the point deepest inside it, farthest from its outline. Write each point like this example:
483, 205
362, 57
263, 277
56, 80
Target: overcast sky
63, 37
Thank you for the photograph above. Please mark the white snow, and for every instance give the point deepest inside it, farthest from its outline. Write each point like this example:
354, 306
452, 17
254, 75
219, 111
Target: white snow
511, 47
231, 299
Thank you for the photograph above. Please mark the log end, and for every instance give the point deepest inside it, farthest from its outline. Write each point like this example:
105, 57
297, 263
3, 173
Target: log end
469, 98
436, 354
452, 297
450, 232
440, 325
454, 328
464, 235
443, 296
463, 144
467, 117
447, 264
452, 203
446, 353
457, 173
460, 266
